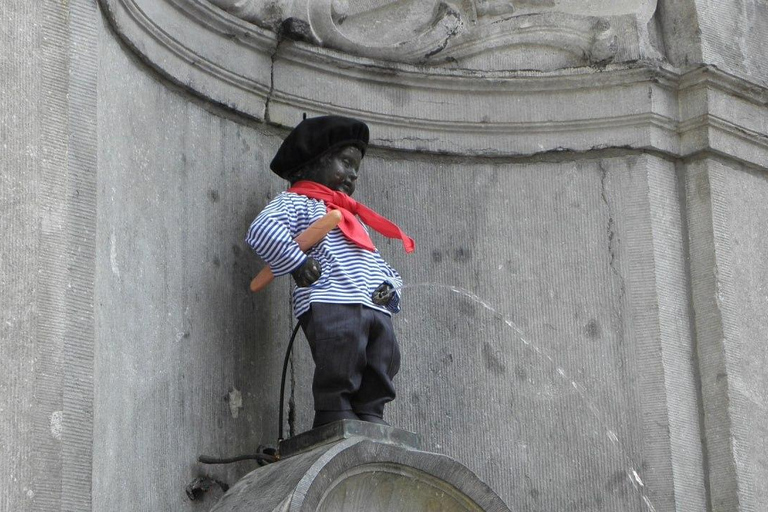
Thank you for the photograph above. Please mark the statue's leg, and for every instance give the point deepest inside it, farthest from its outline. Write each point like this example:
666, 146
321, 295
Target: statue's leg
337, 339
383, 362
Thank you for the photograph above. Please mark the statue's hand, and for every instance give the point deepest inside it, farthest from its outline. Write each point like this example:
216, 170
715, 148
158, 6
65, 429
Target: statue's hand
383, 294
307, 273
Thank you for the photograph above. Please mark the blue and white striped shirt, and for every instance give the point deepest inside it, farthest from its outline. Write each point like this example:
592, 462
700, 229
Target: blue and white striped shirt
350, 274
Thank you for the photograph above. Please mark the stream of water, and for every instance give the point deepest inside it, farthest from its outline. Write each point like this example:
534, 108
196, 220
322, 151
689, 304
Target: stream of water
629, 468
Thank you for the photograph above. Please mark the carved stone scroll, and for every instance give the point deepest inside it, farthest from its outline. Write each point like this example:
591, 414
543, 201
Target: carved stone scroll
267, 14
475, 34
446, 22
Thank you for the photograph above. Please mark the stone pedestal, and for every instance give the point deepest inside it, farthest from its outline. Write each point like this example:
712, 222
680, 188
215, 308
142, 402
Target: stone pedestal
352, 465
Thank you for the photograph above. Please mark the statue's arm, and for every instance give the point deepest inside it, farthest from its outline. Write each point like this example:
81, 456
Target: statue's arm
271, 237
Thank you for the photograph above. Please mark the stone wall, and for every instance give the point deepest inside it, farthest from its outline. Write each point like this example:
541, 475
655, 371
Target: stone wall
47, 221
729, 298
586, 305
188, 362
732, 35
584, 256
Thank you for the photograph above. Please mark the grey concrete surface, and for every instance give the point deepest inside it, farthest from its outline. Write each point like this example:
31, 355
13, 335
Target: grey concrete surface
19, 181
733, 35
730, 295
188, 361
585, 257
678, 23
47, 219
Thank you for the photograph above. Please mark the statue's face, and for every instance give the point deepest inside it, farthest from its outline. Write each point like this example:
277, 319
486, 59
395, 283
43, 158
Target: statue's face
339, 170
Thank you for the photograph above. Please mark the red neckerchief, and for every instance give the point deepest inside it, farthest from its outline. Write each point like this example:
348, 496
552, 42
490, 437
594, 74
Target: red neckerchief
348, 207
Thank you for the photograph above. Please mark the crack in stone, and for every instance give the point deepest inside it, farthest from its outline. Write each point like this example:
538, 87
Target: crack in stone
451, 30
611, 233
611, 223
409, 139
292, 29
272, 58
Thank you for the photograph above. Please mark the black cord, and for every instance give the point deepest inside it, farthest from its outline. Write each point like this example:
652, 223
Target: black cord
282, 381
261, 457
265, 455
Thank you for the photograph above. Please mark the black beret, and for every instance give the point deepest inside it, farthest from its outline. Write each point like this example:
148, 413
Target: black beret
316, 136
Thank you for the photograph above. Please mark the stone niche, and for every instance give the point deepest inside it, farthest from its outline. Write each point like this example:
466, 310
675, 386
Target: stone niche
473, 34
531, 83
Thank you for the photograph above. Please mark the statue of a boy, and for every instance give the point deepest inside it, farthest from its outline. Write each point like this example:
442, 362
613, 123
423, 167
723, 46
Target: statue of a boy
345, 292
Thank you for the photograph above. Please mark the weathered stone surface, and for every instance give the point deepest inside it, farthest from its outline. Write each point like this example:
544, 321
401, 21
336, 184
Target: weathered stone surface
266, 13
460, 34
678, 25
47, 219
561, 208
188, 360
374, 473
730, 299
20, 180
733, 36
639, 104
478, 35
545, 223
585, 257
340, 430
727, 35
216, 59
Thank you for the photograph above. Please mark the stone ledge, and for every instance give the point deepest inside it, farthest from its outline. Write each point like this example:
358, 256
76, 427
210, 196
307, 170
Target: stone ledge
340, 430
354, 466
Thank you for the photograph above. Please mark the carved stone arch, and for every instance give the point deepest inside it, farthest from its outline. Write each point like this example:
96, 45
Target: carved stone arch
518, 100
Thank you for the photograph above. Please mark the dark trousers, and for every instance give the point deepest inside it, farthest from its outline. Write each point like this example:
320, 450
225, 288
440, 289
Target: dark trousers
356, 356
